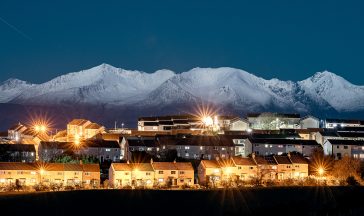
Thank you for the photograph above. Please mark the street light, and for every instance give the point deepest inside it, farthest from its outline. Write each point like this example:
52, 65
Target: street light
207, 120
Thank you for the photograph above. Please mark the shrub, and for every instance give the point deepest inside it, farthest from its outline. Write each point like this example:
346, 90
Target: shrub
40, 187
69, 187
351, 181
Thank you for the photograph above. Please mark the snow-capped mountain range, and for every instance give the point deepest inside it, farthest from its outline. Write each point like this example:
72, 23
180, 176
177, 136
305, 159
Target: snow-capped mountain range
115, 87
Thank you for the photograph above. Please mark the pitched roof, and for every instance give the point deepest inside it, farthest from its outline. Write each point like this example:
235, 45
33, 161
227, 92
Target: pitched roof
101, 144
73, 167
184, 166
122, 167
16, 126
142, 166
243, 161
210, 163
91, 167
93, 126
282, 159
283, 141
346, 142
17, 166
164, 166
78, 122
299, 159
260, 160
198, 140
51, 166
142, 141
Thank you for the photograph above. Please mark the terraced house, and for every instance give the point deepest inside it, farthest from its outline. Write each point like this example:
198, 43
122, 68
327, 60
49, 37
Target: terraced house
151, 174
86, 175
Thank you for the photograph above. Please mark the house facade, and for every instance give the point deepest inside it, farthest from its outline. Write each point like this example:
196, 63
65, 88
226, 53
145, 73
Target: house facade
283, 146
30, 174
340, 148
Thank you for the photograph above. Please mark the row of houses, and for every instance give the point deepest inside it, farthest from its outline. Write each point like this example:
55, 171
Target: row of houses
274, 168
151, 174
228, 123
30, 174
217, 146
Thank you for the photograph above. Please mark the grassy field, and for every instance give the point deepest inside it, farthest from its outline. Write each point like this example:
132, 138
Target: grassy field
251, 201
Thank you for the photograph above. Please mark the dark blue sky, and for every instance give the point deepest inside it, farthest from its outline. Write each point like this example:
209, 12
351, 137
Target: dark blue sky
286, 39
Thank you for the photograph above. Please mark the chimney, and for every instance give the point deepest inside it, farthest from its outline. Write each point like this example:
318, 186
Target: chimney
127, 161
151, 161
253, 155
81, 162
174, 161
289, 155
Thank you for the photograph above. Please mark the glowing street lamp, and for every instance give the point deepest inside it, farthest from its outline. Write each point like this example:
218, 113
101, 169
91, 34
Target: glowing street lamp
321, 171
40, 128
207, 121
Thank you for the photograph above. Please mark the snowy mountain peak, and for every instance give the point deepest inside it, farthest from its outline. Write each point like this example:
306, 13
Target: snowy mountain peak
223, 86
13, 82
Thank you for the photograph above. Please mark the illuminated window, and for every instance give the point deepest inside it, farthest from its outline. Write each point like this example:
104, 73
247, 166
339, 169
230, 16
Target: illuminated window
266, 145
187, 147
223, 149
361, 155
107, 150
160, 180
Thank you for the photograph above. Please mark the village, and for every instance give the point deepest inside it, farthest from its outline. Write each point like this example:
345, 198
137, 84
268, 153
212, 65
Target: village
184, 152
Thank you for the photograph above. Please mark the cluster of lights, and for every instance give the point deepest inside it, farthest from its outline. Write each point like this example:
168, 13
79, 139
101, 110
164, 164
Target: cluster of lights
40, 128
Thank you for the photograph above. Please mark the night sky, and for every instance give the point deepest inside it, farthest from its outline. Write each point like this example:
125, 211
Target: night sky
287, 39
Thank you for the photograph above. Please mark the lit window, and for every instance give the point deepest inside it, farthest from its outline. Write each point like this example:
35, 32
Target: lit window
32, 172
201, 147
361, 156
187, 155
266, 145
107, 150
223, 149
187, 147
280, 146
280, 153
160, 180
149, 149
32, 153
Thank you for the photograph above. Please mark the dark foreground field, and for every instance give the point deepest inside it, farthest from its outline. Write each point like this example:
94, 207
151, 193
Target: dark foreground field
251, 201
